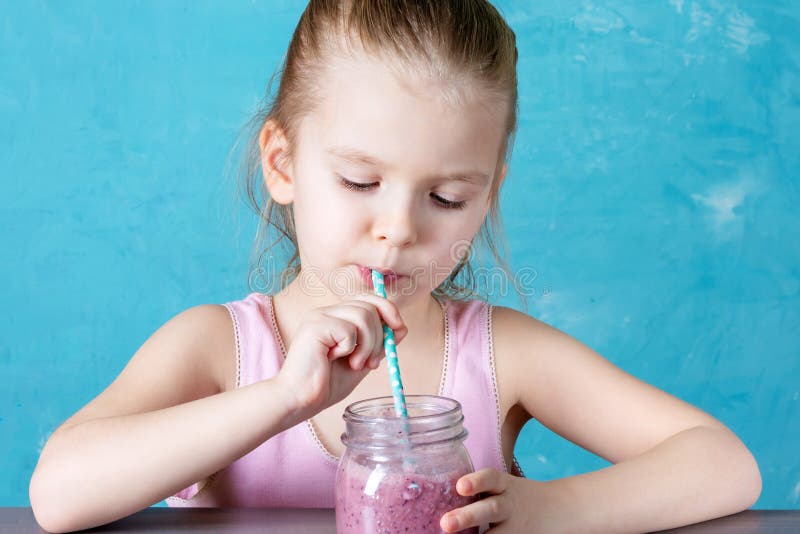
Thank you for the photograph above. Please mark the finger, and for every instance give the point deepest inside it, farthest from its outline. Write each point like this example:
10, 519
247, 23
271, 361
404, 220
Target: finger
367, 310
345, 347
389, 314
333, 336
493, 509
368, 330
375, 327
486, 480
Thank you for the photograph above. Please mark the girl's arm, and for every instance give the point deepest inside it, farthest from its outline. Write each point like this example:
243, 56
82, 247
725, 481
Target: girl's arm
674, 464
159, 427
163, 423
698, 474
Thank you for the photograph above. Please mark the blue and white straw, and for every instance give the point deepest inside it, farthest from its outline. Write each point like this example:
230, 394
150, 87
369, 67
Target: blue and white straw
390, 347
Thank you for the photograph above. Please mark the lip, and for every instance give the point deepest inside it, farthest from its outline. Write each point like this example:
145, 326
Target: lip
389, 276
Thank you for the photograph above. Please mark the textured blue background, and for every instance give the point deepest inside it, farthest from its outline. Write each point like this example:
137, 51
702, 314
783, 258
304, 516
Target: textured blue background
654, 189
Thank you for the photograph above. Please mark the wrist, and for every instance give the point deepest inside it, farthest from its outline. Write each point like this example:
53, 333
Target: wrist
295, 409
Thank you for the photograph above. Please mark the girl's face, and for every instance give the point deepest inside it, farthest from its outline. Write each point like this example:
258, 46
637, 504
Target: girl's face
390, 176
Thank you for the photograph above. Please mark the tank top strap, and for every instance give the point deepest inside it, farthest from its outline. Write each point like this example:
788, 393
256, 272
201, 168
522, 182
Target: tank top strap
258, 353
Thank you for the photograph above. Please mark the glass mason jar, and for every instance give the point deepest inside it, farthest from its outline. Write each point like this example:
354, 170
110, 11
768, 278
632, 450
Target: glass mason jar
398, 478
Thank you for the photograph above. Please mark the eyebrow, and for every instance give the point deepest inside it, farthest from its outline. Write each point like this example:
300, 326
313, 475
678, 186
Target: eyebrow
353, 155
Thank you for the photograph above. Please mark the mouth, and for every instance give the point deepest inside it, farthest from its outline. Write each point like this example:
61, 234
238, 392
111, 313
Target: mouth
389, 276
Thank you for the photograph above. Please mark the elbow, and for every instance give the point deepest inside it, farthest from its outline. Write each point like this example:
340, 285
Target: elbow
745, 476
751, 483
51, 504
62, 502
50, 511
48, 514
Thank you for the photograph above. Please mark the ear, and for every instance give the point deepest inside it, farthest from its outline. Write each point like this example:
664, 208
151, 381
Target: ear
275, 162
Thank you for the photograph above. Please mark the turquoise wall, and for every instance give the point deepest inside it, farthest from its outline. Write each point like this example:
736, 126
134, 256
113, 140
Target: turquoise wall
654, 190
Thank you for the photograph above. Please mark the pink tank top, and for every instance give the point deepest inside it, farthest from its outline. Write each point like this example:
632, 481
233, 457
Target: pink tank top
293, 468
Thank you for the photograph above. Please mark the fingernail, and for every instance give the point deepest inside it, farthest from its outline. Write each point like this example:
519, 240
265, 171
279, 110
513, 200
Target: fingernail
451, 523
464, 487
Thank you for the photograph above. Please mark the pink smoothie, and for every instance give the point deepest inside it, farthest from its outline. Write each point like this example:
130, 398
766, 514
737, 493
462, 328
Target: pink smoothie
395, 502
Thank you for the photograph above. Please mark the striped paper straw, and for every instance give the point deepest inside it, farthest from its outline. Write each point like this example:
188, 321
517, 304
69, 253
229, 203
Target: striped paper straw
400, 410
390, 348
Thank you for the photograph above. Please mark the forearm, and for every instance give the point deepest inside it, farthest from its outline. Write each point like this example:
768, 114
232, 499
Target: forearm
104, 469
696, 475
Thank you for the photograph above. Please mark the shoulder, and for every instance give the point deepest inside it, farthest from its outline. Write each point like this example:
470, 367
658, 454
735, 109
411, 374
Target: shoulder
210, 322
525, 337
538, 362
518, 340
208, 328
511, 321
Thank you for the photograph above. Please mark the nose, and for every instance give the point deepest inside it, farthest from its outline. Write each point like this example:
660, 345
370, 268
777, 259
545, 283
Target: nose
396, 223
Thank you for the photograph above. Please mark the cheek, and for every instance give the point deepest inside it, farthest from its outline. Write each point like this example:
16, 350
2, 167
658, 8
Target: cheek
451, 245
326, 201
324, 221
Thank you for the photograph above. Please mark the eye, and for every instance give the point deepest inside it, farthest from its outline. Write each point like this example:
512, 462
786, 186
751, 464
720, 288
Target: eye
440, 201
355, 186
448, 204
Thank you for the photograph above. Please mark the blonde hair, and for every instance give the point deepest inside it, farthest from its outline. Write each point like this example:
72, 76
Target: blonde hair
459, 40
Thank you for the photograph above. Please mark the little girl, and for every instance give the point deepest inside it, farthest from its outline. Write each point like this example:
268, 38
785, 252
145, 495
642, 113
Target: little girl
385, 148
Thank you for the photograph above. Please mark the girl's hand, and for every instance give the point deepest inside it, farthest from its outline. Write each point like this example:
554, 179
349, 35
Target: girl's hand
335, 347
508, 504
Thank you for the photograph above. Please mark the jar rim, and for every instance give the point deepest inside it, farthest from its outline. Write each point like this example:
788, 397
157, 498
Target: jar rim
367, 428
351, 413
